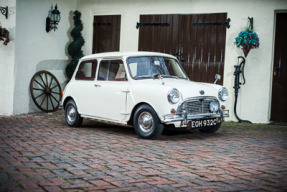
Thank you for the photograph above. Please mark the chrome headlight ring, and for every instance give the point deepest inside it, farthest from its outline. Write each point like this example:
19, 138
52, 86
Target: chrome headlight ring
173, 96
223, 94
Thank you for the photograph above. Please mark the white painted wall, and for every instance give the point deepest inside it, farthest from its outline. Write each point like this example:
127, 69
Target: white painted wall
254, 97
38, 50
7, 59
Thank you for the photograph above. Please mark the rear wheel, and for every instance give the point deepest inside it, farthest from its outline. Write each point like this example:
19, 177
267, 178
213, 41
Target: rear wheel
211, 129
146, 123
73, 118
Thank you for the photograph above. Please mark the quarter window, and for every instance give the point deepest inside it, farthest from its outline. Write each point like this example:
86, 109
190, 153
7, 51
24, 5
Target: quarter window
112, 70
87, 70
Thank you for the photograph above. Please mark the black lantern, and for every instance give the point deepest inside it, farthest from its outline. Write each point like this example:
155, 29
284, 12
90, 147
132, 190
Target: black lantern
4, 11
53, 19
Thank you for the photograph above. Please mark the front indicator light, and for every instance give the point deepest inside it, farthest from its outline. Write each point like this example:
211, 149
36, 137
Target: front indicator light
173, 111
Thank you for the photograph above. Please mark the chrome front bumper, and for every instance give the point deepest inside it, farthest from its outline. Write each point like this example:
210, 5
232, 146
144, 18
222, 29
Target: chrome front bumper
184, 118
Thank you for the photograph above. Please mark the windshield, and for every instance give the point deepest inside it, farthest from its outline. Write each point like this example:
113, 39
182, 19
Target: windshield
152, 66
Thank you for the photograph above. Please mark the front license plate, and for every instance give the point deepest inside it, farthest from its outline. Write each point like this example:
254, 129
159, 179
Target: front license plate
203, 123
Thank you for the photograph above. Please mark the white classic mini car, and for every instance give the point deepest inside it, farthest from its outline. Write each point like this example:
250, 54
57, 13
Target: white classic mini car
147, 90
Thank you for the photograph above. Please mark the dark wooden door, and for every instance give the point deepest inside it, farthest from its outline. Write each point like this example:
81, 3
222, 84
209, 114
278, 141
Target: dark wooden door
198, 40
106, 35
279, 89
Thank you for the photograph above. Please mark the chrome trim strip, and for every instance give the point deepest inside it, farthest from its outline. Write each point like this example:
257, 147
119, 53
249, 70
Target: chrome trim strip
105, 120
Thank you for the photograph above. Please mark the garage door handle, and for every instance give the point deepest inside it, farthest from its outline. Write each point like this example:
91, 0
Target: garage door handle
97, 85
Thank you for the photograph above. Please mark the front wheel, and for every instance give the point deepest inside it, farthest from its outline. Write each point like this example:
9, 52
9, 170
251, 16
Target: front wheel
211, 129
73, 118
146, 123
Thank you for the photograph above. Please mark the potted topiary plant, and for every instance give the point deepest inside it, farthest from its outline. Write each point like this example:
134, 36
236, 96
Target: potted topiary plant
75, 47
4, 35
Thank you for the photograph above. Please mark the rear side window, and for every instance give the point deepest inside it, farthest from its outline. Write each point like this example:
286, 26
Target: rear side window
87, 70
112, 70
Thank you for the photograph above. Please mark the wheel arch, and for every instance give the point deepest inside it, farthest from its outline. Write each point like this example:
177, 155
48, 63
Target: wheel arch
66, 100
130, 121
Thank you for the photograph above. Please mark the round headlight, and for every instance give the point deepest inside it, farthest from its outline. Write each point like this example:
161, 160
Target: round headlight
173, 96
213, 106
223, 94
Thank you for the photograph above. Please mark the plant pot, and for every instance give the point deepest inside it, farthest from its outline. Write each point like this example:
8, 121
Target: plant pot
245, 51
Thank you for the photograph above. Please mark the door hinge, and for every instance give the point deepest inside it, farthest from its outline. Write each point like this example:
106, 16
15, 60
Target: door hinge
151, 24
226, 23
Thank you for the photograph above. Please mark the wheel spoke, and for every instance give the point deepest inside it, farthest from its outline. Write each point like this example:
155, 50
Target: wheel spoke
47, 107
39, 95
38, 89
43, 100
51, 82
39, 84
55, 98
42, 80
46, 79
51, 102
55, 93
55, 86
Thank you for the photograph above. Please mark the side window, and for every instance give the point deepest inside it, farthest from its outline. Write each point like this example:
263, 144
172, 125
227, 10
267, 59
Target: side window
112, 70
87, 70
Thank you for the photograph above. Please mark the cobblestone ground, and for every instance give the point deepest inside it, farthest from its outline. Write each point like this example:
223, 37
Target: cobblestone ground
38, 152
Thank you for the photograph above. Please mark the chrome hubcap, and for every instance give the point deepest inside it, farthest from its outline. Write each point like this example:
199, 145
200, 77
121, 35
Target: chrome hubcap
71, 113
145, 122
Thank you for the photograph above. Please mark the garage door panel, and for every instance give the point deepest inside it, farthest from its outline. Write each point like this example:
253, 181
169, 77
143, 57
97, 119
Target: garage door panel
201, 48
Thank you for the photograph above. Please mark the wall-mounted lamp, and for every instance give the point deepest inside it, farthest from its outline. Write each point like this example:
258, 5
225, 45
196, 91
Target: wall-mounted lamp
53, 19
4, 11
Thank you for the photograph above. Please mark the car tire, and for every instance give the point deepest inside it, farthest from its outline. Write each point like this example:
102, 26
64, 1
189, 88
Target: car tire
72, 116
211, 129
146, 123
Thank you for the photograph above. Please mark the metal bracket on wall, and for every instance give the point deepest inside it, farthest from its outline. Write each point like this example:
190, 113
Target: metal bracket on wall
226, 23
151, 24
4, 11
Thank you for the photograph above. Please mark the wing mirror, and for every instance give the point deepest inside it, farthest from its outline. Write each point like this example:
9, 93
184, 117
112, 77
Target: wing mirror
217, 77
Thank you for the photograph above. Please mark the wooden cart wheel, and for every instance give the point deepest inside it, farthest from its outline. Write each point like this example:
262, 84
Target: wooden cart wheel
45, 90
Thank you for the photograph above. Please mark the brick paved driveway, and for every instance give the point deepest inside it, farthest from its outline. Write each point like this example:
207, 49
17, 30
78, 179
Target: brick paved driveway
38, 152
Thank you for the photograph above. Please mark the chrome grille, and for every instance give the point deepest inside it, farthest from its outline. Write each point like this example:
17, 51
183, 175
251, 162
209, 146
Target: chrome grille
196, 106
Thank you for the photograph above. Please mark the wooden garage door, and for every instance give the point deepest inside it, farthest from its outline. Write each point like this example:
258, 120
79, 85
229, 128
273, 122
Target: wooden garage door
106, 35
198, 40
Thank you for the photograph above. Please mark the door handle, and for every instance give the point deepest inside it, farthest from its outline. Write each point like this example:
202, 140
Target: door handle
97, 85
277, 69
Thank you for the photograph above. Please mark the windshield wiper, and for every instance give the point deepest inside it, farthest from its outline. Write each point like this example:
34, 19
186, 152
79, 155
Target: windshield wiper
170, 76
143, 77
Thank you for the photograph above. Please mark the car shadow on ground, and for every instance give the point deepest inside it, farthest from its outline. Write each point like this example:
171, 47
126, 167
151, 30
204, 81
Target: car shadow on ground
168, 133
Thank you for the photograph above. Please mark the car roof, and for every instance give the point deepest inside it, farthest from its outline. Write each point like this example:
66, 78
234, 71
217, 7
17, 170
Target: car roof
107, 55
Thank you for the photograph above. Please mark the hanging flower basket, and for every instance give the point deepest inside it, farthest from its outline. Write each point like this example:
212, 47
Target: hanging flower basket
4, 35
247, 40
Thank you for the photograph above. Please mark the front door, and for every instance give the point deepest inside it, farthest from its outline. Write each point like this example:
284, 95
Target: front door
110, 91
106, 37
279, 89
198, 40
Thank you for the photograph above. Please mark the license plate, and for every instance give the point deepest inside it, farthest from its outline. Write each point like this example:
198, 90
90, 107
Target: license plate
203, 123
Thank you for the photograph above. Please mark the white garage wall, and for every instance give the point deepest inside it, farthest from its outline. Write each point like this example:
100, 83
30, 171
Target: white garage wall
38, 50
254, 96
